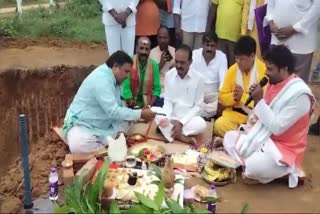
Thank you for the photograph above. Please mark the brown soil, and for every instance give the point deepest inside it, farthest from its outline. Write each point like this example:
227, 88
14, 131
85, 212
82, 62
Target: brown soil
44, 94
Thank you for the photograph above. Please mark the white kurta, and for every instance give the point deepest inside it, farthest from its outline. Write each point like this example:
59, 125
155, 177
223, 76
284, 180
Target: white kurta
194, 14
117, 37
303, 15
213, 75
264, 164
182, 100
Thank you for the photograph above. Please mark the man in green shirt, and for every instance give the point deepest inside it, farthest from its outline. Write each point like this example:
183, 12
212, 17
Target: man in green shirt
226, 17
142, 87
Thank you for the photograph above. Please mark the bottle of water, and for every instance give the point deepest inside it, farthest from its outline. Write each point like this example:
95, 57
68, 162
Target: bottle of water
211, 204
202, 159
53, 184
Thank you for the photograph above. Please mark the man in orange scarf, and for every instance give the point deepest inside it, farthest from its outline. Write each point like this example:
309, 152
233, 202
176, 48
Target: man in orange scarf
142, 87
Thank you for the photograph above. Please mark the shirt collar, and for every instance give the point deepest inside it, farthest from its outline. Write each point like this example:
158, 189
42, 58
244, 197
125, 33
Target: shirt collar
189, 74
112, 75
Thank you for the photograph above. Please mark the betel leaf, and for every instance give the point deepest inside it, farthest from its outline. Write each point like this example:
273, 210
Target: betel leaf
201, 211
146, 201
156, 170
160, 195
174, 206
136, 209
114, 207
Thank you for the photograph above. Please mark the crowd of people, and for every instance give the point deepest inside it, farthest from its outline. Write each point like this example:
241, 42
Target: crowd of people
184, 62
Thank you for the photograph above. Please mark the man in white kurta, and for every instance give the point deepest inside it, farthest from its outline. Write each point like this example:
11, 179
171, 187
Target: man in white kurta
191, 20
183, 96
211, 65
294, 23
275, 145
119, 19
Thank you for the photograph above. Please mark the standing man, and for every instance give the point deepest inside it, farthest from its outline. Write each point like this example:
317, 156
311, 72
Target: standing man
142, 87
294, 24
163, 54
96, 111
191, 21
167, 18
212, 65
276, 144
225, 17
119, 21
235, 89
183, 96
148, 20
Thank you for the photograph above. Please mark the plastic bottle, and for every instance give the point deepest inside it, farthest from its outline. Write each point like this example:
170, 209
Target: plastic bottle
212, 194
53, 184
202, 159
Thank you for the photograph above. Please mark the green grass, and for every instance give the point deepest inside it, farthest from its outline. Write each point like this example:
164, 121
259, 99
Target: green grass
79, 20
13, 3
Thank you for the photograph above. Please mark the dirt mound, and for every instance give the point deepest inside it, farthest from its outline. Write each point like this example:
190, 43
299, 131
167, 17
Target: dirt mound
46, 42
43, 95
46, 153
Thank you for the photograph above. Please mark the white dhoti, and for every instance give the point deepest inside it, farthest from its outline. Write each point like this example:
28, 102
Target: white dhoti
83, 140
210, 104
263, 165
194, 126
119, 38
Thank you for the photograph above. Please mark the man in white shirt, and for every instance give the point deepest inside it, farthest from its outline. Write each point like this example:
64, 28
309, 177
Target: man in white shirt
212, 65
119, 21
191, 20
294, 24
183, 96
163, 54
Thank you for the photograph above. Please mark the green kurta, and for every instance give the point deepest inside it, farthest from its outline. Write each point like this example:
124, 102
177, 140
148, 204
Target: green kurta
126, 89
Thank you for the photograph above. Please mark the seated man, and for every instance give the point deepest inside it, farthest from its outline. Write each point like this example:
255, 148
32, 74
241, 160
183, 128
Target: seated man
212, 65
97, 111
275, 145
142, 87
234, 92
163, 54
183, 96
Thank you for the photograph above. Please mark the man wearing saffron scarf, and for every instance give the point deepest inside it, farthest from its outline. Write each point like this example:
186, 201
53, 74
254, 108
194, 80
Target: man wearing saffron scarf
235, 89
275, 145
142, 88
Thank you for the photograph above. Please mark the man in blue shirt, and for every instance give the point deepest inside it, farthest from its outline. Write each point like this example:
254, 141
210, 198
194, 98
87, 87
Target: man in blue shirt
97, 110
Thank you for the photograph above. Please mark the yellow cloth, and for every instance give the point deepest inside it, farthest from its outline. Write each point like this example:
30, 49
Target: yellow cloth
229, 16
244, 23
230, 120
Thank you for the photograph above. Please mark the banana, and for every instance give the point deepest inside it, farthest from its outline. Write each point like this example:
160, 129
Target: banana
209, 170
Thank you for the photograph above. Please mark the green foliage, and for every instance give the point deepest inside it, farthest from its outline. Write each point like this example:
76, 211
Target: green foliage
77, 20
245, 209
85, 199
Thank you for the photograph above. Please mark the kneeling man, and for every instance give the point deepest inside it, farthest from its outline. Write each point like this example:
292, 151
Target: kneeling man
183, 96
275, 145
97, 110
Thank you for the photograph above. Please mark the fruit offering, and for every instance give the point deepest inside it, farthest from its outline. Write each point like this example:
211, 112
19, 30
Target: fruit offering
146, 154
215, 173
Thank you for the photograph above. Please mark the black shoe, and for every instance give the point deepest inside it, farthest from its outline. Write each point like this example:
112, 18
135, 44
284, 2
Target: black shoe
315, 129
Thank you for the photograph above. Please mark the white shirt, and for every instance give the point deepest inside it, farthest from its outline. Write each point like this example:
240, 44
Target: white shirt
194, 14
118, 6
183, 97
303, 15
212, 73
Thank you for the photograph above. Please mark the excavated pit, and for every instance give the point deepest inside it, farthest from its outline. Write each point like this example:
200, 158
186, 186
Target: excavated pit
43, 95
